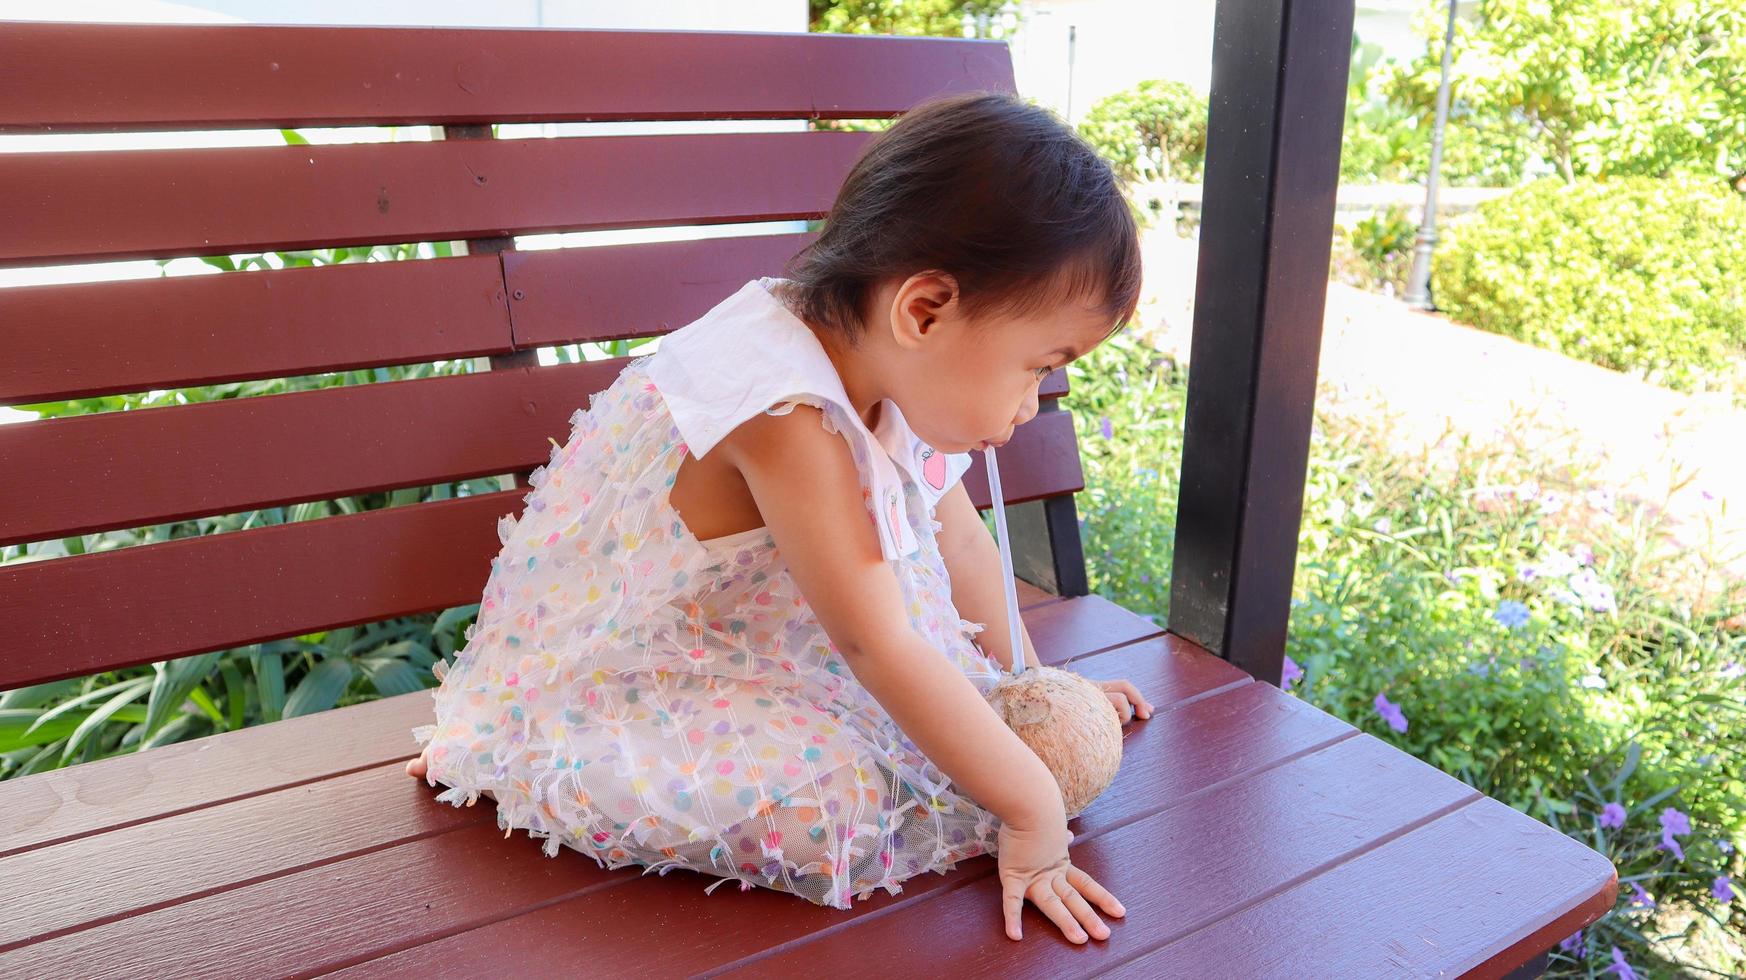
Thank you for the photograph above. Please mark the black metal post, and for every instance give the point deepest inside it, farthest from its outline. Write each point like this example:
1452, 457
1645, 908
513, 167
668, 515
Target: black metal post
1273, 162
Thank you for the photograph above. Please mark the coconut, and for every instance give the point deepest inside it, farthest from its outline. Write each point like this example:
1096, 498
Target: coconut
1070, 723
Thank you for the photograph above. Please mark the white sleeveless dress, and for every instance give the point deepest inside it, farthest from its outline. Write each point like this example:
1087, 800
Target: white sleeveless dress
651, 699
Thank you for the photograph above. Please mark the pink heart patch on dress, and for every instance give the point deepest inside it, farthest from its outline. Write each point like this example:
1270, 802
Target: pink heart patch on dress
934, 468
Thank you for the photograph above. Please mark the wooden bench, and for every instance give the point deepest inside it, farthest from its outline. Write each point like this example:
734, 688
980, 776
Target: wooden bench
1249, 834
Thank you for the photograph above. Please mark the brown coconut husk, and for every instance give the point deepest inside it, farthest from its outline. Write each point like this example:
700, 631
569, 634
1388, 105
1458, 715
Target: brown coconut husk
1070, 723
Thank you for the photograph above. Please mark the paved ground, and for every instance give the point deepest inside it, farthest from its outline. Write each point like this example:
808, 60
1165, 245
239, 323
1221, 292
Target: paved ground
1683, 454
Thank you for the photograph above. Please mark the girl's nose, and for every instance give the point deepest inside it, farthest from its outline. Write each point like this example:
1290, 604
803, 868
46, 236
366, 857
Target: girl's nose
1027, 410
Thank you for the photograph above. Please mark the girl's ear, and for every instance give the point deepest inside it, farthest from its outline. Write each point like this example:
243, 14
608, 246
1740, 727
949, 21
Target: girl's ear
919, 304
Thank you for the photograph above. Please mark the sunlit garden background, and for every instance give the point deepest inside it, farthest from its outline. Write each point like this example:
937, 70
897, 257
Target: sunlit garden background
1543, 599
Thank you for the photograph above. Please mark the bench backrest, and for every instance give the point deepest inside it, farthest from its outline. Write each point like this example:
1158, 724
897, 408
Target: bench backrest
77, 615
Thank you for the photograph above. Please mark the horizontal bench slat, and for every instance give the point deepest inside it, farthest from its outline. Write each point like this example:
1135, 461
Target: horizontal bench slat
617, 922
1206, 847
616, 292
1546, 884
190, 595
80, 340
108, 77
89, 473
267, 770
357, 927
81, 206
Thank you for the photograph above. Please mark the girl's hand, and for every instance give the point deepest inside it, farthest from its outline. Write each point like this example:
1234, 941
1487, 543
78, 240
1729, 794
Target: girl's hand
1129, 702
1034, 864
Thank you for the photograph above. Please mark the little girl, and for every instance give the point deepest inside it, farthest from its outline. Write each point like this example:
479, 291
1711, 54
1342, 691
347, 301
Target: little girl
725, 633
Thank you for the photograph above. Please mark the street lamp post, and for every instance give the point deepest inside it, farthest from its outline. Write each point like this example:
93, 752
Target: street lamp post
1418, 294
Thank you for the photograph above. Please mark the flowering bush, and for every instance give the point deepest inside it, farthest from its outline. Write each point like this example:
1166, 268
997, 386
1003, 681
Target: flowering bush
1463, 617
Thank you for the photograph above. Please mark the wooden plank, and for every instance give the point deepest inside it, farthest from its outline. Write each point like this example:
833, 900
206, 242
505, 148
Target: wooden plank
126, 790
112, 77
621, 926
1474, 893
102, 877
568, 295
1029, 596
89, 473
84, 206
118, 792
1098, 623
218, 591
1278, 95
199, 852
1043, 463
1186, 864
77, 341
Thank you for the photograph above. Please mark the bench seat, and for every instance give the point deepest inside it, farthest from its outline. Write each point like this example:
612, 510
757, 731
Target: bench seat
1246, 828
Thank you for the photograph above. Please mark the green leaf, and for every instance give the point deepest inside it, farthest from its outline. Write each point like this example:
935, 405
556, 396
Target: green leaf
321, 688
391, 676
86, 698
175, 679
38, 694
236, 698
95, 720
203, 701
269, 671
293, 137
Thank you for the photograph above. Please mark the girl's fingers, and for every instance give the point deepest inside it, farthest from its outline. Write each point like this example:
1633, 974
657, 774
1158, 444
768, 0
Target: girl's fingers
1081, 911
1044, 897
1088, 886
1124, 710
1142, 707
1012, 903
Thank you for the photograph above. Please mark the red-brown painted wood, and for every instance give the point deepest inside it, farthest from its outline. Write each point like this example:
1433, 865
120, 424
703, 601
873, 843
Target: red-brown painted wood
1445, 899
219, 591
88, 473
185, 855
65, 804
75, 341
566, 295
101, 77
74, 206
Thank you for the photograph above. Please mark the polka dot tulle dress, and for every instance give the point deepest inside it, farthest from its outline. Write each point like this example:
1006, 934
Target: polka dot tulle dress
647, 698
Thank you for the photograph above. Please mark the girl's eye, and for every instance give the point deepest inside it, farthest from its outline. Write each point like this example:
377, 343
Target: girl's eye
1042, 372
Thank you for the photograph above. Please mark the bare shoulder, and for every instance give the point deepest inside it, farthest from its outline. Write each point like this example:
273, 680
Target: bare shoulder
804, 480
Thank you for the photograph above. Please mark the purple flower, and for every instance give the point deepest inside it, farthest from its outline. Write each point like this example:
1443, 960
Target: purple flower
1390, 712
1731, 670
1292, 673
1624, 969
1723, 889
1612, 815
1573, 944
1641, 897
1103, 424
1511, 613
1674, 822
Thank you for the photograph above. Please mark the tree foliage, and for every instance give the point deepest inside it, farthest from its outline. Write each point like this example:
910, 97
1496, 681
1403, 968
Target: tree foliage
1599, 88
934, 18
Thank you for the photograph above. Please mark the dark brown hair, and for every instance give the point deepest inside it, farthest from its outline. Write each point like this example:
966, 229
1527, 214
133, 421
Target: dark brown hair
997, 192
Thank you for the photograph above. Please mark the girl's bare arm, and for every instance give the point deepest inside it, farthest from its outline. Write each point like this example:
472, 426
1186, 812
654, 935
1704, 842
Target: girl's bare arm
803, 479
972, 560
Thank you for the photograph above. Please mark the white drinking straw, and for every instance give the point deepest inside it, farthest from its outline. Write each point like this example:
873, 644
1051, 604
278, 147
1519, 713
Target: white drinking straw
1012, 610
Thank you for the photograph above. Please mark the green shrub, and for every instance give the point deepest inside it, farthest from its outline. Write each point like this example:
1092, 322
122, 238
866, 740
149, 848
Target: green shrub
1641, 275
1153, 131
1376, 251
